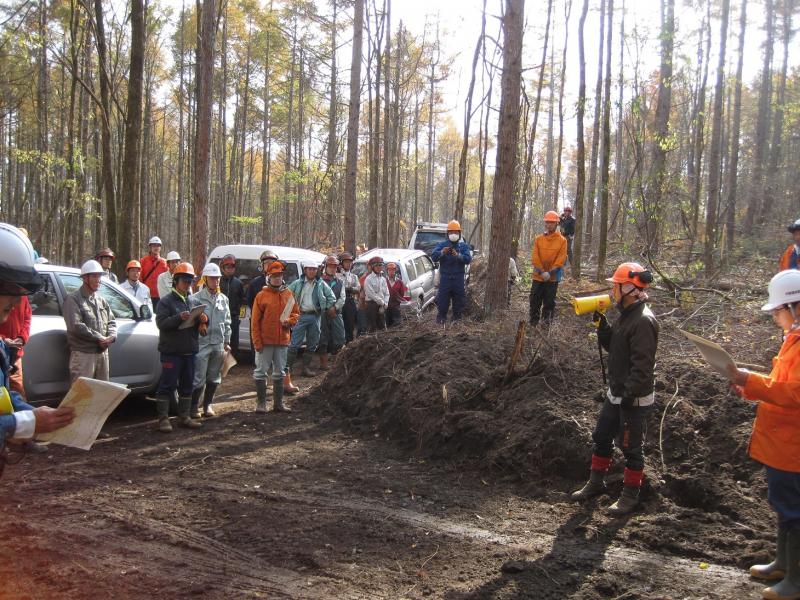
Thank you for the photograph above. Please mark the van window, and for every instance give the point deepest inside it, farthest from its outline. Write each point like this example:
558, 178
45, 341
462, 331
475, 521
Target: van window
427, 240
44, 302
423, 265
410, 269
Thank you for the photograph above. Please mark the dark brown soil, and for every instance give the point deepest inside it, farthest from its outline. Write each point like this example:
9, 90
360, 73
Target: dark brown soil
411, 470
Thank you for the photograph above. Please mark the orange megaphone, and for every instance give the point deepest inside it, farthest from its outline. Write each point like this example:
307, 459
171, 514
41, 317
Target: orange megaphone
590, 304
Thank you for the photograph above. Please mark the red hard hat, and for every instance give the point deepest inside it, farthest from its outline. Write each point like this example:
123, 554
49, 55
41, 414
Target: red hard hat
567, 209
105, 252
375, 260
633, 273
345, 256
331, 260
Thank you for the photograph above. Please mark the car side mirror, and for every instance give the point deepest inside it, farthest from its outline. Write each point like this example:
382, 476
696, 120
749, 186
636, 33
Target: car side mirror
145, 313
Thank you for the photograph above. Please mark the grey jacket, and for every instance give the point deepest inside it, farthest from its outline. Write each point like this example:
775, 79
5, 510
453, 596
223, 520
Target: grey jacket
219, 317
89, 319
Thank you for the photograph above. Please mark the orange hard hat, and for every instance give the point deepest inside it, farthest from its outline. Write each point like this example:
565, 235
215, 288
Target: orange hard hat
276, 268
133, 264
633, 273
391, 265
184, 268
454, 226
551, 216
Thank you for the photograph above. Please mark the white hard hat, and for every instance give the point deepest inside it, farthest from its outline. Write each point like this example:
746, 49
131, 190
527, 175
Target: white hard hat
154, 240
91, 267
16, 259
173, 255
794, 226
784, 288
309, 264
211, 270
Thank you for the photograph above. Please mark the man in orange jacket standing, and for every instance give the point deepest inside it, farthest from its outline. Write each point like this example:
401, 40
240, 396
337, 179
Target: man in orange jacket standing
548, 257
791, 258
275, 312
775, 441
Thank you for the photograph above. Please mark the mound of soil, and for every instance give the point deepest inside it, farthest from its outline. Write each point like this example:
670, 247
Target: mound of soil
444, 392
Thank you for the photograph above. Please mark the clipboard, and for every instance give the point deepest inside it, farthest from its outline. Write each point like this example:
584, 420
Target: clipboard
715, 355
194, 315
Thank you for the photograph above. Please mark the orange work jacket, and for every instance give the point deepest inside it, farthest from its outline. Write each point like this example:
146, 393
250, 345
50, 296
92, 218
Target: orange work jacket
787, 257
265, 321
549, 253
776, 432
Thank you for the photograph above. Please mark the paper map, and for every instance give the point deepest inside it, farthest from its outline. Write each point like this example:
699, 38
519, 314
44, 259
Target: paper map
93, 401
228, 362
715, 355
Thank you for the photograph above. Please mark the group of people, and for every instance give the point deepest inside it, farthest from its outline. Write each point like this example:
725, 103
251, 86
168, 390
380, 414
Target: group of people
321, 310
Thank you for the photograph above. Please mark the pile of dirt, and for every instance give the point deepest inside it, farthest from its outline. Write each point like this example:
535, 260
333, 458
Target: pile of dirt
445, 393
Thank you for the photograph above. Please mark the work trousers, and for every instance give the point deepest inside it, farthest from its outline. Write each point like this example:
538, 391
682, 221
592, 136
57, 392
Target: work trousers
177, 374
235, 333
93, 365
783, 493
543, 300
307, 329
393, 316
375, 320
273, 361
451, 288
349, 317
332, 334
208, 365
625, 427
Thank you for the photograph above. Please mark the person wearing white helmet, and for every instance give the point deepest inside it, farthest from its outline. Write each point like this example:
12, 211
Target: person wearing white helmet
153, 265
791, 257
164, 281
215, 339
18, 278
313, 297
775, 441
91, 327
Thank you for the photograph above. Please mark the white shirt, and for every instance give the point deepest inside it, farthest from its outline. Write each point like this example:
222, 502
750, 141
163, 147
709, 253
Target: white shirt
376, 290
307, 297
141, 292
164, 284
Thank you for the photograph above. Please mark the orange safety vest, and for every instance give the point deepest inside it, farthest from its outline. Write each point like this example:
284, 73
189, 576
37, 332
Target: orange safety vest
776, 432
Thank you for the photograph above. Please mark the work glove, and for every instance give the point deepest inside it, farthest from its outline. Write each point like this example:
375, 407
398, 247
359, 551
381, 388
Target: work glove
599, 320
203, 329
332, 312
545, 275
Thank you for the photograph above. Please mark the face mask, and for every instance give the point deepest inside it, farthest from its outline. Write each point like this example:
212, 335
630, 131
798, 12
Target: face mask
454, 237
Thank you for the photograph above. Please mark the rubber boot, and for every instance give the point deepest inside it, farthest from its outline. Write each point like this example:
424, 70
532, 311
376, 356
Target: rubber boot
307, 372
596, 484
288, 387
184, 420
196, 393
277, 397
627, 501
323, 362
162, 409
776, 570
208, 399
261, 396
789, 587
594, 487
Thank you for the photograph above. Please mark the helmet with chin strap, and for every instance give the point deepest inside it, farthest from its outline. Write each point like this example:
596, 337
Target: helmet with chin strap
18, 277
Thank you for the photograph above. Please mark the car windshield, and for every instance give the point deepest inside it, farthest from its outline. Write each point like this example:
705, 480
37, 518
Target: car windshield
427, 240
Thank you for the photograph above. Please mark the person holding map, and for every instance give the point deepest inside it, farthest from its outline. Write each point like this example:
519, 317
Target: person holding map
775, 441
18, 278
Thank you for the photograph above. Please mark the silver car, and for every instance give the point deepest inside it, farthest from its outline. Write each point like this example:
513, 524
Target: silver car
133, 359
416, 270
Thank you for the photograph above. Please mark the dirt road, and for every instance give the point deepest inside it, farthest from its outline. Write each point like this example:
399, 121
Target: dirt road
299, 506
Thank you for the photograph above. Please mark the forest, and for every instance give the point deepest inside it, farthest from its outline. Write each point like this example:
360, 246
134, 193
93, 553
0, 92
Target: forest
333, 124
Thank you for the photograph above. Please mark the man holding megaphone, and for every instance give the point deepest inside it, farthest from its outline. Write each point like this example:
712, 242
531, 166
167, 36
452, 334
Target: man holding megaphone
631, 344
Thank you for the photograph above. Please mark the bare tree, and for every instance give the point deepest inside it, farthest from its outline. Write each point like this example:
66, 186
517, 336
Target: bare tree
606, 154
580, 159
508, 131
352, 130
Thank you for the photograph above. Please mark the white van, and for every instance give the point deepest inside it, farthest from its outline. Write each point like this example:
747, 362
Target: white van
248, 267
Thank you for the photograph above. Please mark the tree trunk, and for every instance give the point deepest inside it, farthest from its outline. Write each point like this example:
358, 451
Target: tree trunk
591, 191
105, 131
715, 152
557, 177
129, 198
580, 186
352, 130
388, 142
658, 151
605, 160
733, 162
202, 149
508, 131
330, 207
